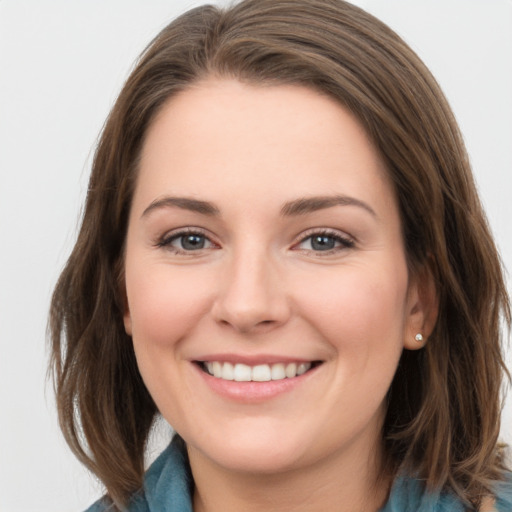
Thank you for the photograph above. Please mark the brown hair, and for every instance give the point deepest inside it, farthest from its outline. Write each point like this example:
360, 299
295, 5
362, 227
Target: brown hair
444, 404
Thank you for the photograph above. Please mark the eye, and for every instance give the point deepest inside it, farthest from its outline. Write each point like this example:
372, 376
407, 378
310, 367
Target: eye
186, 241
325, 241
190, 242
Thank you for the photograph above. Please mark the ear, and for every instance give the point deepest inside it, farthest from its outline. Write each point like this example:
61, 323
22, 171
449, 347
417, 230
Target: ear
127, 320
422, 308
123, 298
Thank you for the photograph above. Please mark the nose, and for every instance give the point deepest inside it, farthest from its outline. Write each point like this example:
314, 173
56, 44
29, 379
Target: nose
251, 295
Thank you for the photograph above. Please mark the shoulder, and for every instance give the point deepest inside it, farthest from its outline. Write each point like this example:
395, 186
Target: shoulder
137, 504
167, 485
102, 505
410, 494
503, 494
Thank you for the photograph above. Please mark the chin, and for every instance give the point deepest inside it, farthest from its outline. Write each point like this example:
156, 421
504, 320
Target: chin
256, 451
257, 460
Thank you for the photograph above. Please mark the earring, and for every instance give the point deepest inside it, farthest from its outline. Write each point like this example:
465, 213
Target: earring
419, 337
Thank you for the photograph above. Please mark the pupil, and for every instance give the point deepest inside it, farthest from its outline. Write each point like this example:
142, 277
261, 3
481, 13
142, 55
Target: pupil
322, 243
192, 242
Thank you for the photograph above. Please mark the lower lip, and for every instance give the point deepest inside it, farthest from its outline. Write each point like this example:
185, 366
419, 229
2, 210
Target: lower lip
253, 392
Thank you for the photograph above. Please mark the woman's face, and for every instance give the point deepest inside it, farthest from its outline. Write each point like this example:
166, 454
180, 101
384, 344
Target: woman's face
264, 247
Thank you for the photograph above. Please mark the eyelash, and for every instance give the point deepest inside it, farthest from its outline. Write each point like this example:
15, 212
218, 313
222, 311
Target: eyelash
166, 241
343, 241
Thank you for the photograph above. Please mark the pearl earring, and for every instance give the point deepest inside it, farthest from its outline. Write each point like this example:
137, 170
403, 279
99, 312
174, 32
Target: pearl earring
418, 337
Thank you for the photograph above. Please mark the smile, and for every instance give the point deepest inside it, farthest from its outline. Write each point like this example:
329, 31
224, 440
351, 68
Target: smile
240, 372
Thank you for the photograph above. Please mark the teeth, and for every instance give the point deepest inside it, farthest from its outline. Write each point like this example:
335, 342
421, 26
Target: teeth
277, 371
259, 373
228, 372
242, 373
303, 368
291, 370
217, 369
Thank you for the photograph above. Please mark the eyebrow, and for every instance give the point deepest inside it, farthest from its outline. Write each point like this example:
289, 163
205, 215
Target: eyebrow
185, 203
312, 204
299, 206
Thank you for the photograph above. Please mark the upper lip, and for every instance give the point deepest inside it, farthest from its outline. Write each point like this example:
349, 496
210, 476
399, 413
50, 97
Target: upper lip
253, 360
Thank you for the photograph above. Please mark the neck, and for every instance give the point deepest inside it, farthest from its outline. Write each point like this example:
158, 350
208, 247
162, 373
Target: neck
341, 483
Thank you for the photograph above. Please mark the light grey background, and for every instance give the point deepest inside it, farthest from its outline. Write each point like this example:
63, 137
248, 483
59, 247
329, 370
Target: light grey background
62, 64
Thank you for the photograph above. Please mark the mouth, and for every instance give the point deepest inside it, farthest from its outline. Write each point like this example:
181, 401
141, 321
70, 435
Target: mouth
240, 372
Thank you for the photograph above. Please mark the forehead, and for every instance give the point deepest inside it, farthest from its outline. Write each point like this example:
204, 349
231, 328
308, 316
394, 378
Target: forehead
258, 140
254, 114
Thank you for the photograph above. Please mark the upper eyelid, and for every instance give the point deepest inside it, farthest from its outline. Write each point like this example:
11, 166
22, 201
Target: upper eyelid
346, 242
186, 230
324, 231
304, 235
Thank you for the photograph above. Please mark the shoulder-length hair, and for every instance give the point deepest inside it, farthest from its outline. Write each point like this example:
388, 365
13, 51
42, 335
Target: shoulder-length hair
443, 411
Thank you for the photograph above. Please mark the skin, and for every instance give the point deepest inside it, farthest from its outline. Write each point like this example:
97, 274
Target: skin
259, 287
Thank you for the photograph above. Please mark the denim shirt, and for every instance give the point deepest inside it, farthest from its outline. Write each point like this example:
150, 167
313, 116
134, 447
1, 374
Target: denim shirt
168, 487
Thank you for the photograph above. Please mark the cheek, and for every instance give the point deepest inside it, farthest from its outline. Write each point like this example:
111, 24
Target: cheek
164, 303
358, 308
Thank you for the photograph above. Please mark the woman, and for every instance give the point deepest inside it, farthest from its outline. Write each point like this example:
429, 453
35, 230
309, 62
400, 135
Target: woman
284, 255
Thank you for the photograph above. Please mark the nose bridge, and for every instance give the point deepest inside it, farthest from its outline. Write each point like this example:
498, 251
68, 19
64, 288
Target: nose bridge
251, 291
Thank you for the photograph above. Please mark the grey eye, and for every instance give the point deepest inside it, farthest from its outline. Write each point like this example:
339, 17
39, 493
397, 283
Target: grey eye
323, 242
191, 242
186, 241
